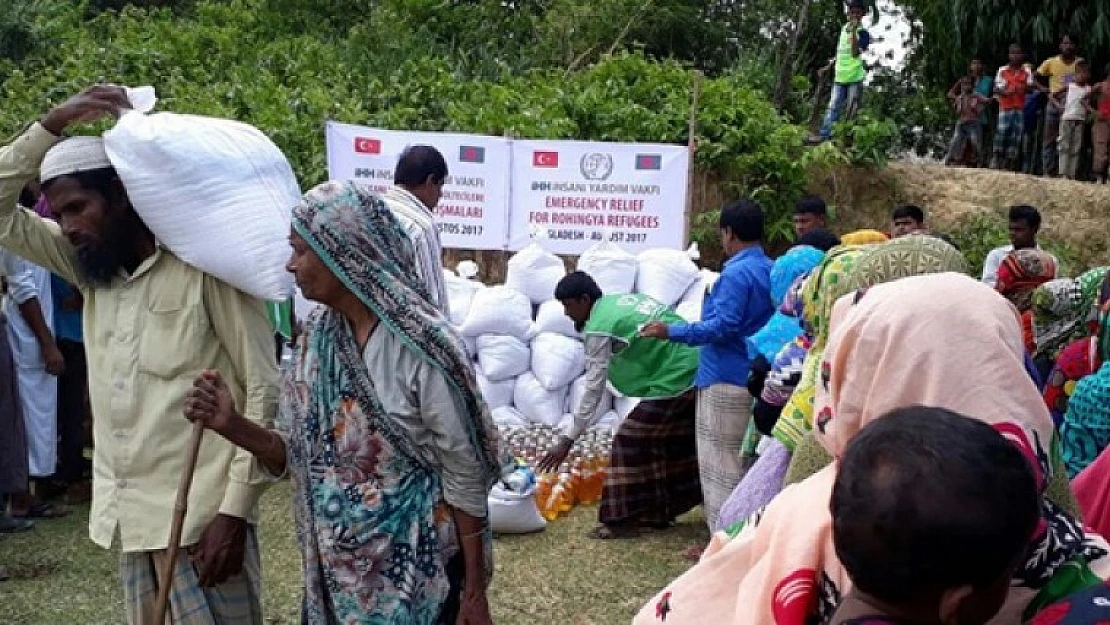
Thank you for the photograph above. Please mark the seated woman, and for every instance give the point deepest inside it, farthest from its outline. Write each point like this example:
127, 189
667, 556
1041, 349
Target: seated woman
389, 444
940, 340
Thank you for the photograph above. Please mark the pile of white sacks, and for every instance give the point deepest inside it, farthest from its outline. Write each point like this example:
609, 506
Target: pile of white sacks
529, 358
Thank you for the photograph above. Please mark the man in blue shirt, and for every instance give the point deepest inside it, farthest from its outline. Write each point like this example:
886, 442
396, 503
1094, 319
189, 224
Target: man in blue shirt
737, 306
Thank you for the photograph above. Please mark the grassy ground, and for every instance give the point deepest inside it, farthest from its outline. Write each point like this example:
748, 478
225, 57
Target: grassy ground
558, 576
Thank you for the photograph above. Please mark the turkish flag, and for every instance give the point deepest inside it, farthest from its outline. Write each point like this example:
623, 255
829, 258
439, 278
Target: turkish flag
366, 145
545, 159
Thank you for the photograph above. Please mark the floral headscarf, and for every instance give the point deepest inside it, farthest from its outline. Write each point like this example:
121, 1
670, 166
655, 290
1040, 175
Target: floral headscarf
370, 513
821, 288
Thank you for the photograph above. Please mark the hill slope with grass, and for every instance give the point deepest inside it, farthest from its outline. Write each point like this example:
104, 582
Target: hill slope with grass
970, 205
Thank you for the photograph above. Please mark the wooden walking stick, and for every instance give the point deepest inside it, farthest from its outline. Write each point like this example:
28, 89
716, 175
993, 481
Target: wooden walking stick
165, 577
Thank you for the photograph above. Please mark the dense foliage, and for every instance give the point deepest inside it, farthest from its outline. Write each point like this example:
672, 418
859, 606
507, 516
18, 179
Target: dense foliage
620, 70
253, 60
952, 31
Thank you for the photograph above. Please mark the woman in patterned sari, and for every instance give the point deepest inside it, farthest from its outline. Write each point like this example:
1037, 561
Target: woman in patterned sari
390, 446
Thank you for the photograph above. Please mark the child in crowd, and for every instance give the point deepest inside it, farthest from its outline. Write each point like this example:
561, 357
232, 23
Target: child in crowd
984, 86
1099, 97
1073, 101
1011, 84
932, 514
969, 107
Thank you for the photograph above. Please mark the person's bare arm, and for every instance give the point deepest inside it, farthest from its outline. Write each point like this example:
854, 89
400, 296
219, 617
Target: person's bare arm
474, 604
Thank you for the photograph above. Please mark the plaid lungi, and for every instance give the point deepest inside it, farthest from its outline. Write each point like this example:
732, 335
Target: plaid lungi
1011, 128
722, 420
238, 601
653, 467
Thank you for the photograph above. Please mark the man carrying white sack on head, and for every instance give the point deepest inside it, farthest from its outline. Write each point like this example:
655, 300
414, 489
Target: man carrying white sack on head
417, 188
151, 324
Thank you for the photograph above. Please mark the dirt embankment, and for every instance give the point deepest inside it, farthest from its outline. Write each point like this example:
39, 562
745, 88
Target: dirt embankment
1075, 214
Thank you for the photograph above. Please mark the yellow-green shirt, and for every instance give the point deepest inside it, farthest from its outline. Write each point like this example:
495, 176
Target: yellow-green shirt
148, 335
1059, 72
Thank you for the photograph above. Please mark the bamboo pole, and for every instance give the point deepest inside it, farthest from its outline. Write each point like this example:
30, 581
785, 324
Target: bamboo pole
691, 147
165, 578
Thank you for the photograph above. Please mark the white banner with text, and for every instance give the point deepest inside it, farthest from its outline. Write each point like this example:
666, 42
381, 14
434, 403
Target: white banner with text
572, 194
473, 213
503, 194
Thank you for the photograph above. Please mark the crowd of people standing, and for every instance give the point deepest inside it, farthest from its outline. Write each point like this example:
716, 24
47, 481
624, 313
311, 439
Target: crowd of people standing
1056, 105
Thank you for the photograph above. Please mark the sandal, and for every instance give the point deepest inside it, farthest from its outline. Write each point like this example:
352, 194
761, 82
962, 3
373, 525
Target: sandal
4, 574
613, 532
8, 525
42, 510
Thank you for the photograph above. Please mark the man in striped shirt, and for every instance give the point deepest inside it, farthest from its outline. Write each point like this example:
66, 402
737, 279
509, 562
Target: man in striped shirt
417, 187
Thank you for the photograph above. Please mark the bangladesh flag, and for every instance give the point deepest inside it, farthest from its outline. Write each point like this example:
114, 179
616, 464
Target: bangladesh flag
472, 154
649, 161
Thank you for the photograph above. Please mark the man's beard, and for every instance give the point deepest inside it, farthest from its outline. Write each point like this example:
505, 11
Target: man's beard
102, 262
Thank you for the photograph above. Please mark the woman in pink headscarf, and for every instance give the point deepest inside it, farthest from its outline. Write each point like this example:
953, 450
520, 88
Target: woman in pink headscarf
946, 341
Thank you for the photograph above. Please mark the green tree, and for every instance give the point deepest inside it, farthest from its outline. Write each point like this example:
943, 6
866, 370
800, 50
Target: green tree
950, 32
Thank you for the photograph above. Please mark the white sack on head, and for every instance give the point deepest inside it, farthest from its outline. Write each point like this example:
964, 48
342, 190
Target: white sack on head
665, 275
535, 272
612, 268
499, 310
552, 317
501, 356
557, 360
217, 193
537, 403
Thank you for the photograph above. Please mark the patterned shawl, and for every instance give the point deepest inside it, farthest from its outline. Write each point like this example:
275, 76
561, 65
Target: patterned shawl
956, 337
827, 282
373, 527
1021, 272
783, 328
903, 257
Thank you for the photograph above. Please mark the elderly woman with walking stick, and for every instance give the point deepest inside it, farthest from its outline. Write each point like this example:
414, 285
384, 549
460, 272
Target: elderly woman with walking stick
389, 444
